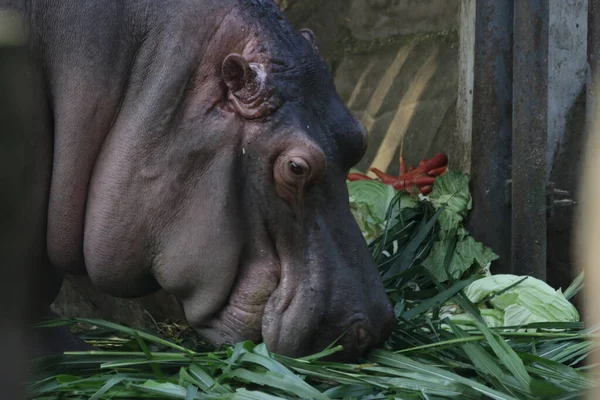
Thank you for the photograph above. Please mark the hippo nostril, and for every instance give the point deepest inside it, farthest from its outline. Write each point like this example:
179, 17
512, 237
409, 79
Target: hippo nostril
363, 339
361, 336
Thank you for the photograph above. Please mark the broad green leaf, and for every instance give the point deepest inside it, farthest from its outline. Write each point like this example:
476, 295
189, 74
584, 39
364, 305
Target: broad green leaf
466, 254
369, 202
451, 190
575, 286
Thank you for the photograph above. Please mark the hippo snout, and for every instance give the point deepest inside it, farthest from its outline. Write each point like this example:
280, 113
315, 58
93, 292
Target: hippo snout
364, 335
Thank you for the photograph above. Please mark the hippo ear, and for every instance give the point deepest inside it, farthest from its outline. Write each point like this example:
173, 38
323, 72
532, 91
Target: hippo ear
310, 36
241, 78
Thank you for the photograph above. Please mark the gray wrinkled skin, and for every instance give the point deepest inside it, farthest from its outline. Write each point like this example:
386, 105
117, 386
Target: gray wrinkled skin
200, 146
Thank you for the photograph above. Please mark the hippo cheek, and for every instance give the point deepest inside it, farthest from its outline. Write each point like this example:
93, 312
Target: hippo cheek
241, 318
291, 317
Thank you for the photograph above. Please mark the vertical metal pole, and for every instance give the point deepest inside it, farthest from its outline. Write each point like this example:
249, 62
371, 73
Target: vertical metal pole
464, 99
593, 33
490, 220
530, 136
593, 51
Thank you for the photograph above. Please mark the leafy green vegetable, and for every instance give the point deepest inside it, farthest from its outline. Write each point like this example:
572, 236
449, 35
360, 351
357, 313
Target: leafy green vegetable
530, 301
466, 254
369, 202
451, 193
493, 318
371, 199
451, 190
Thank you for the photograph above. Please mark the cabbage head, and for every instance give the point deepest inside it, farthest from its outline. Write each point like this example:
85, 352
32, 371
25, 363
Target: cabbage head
530, 301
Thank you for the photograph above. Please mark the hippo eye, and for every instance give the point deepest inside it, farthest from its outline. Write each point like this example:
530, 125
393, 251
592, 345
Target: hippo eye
293, 173
296, 169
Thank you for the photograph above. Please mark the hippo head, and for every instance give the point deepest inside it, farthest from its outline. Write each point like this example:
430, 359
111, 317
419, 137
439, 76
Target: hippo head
241, 210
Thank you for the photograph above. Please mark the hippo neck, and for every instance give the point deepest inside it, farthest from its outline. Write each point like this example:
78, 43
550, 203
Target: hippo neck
100, 62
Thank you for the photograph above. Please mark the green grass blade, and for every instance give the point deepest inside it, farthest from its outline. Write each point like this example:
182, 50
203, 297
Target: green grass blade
132, 332
107, 386
438, 299
278, 381
575, 286
411, 249
191, 392
155, 368
483, 362
243, 394
507, 356
396, 360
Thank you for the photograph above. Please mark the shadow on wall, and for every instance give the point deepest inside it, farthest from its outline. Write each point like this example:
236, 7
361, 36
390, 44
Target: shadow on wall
395, 65
405, 96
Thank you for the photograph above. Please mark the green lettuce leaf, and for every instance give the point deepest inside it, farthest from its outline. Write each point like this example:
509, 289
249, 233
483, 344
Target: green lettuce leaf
369, 202
492, 317
452, 191
468, 253
530, 301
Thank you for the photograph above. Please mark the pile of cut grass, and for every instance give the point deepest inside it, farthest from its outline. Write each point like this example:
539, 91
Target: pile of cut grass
427, 357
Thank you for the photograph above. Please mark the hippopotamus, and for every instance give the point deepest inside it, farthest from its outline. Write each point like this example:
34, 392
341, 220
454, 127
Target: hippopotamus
199, 147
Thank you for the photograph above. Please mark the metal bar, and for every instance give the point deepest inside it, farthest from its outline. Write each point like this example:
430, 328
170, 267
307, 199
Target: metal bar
530, 136
490, 220
593, 50
593, 32
461, 156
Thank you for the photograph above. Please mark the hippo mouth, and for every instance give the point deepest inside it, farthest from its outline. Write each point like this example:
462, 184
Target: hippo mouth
243, 316
290, 318
264, 308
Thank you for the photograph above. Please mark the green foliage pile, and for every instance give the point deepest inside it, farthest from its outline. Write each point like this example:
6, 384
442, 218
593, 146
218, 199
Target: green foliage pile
462, 332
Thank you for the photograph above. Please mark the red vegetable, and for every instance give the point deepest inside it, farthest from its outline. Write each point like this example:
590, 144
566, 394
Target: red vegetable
421, 177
